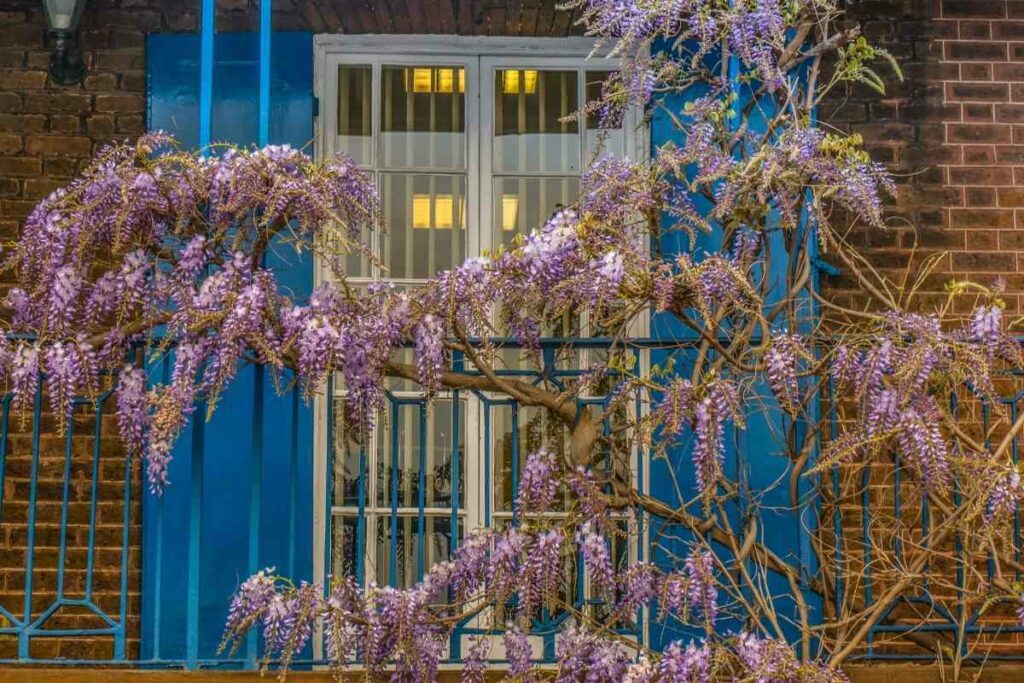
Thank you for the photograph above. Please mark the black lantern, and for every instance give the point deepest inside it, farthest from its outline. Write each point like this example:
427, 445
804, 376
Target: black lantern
66, 65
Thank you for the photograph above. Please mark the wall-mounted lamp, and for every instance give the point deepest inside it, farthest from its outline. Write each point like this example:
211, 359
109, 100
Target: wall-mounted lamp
62, 16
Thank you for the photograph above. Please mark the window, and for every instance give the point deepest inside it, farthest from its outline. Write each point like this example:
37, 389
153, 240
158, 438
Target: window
469, 146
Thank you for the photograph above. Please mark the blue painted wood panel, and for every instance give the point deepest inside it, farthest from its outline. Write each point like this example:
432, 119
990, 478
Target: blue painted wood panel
755, 456
258, 440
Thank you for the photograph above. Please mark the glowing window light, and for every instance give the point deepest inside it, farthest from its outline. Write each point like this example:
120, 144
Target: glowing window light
530, 80
421, 211
513, 80
422, 80
509, 212
445, 80
443, 206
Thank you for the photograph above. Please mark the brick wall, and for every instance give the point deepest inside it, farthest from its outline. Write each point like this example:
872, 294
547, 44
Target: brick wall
954, 129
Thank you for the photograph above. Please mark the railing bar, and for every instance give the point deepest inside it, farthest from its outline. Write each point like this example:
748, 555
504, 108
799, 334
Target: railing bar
361, 518
207, 9
195, 529
64, 502
266, 28
421, 495
37, 409
393, 485
159, 562
4, 426
294, 483
515, 462
93, 498
328, 516
255, 493
488, 456
453, 539
126, 515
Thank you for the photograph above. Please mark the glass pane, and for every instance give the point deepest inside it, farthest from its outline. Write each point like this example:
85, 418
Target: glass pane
529, 133
426, 223
534, 429
406, 545
354, 134
355, 262
525, 204
422, 117
344, 546
438, 471
347, 444
604, 135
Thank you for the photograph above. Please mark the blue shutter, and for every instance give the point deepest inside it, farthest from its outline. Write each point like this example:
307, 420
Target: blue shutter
754, 456
256, 452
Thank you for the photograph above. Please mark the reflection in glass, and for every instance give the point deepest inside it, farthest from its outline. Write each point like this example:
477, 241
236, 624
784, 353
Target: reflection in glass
437, 533
344, 546
534, 428
425, 217
530, 133
347, 444
354, 136
437, 455
524, 204
602, 137
422, 117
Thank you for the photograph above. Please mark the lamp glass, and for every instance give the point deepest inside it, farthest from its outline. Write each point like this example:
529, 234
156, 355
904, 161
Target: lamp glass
63, 14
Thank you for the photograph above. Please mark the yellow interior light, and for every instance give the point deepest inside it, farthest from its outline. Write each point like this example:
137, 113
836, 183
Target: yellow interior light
422, 80
515, 80
462, 80
530, 81
421, 211
509, 212
444, 207
510, 82
445, 80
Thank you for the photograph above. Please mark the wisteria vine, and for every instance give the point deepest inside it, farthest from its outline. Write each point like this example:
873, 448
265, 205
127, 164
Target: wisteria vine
158, 254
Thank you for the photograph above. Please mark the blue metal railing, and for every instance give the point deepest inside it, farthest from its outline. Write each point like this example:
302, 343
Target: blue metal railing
38, 474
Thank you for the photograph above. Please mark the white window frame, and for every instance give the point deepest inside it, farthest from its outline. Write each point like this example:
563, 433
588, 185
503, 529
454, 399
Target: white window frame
480, 56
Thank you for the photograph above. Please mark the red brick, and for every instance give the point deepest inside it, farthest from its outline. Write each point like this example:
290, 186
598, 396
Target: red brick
10, 143
20, 79
1008, 30
979, 133
984, 262
974, 9
974, 71
57, 102
20, 166
976, 51
981, 175
1013, 197
984, 92
59, 145
979, 154
120, 104
1009, 71
979, 112
981, 218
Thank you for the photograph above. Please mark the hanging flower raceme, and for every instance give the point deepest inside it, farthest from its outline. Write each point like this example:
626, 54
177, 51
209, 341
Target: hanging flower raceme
781, 360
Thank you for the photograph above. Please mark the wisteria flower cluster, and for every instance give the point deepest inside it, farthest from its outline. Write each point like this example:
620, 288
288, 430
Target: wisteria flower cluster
406, 630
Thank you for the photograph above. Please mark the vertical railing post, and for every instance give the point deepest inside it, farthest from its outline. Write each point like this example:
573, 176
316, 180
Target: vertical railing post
195, 528
23, 636
206, 30
265, 31
255, 494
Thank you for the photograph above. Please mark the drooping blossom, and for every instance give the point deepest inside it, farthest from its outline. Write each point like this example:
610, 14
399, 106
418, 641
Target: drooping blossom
538, 482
